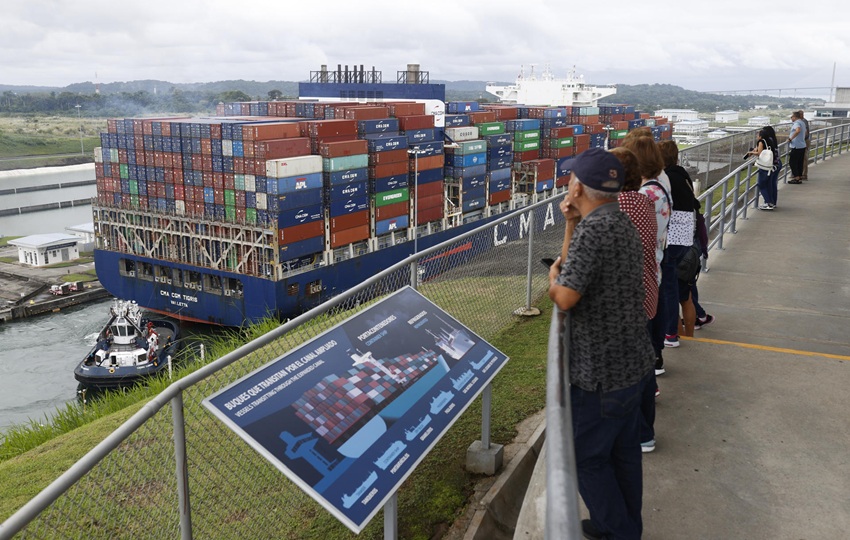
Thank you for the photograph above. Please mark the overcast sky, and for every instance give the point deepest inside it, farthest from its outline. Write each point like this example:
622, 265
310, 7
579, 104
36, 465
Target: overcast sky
699, 45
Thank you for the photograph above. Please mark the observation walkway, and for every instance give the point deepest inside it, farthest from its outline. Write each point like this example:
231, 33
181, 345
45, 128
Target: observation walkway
753, 428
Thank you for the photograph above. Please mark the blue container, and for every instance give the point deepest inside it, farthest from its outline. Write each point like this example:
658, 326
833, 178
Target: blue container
385, 141
426, 149
455, 107
238, 149
498, 174
301, 248
218, 163
216, 147
578, 129
563, 166
107, 169
296, 183
470, 205
296, 199
500, 151
466, 160
159, 174
348, 206
116, 199
466, 172
457, 120
250, 199
389, 183
478, 192
162, 206
427, 176
148, 142
169, 190
143, 188
348, 191
555, 112
502, 139
527, 124
500, 184
260, 184
391, 224
157, 144
384, 125
501, 162
347, 176
549, 123
636, 123
227, 164
416, 136
544, 185
299, 216
474, 182
209, 195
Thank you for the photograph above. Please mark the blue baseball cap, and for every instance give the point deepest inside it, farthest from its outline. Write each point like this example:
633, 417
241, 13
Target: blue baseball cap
599, 169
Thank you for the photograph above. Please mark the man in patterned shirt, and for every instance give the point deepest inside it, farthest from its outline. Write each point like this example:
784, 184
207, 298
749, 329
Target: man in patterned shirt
609, 352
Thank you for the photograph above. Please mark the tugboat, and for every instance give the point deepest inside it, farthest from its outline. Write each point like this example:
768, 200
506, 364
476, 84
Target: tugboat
129, 348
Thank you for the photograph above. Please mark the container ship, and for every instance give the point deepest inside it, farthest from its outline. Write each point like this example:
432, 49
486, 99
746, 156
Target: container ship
269, 208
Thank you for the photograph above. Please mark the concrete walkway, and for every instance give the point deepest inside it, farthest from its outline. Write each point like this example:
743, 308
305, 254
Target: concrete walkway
753, 428
753, 432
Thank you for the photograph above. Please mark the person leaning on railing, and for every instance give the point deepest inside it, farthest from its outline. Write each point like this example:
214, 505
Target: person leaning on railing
797, 142
610, 356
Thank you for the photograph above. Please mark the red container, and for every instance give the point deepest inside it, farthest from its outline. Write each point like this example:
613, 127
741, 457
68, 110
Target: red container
347, 236
349, 221
177, 174
179, 193
561, 181
429, 214
206, 163
555, 153
229, 181
351, 147
593, 127
406, 108
391, 210
317, 142
431, 188
199, 193
498, 197
240, 199
427, 163
390, 156
503, 112
420, 121
270, 131
545, 168
528, 155
560, 133
140, 157
332, 128
430, 202
218, 196
388, 169
301, 232
367, 113
206, 147
218, 180
281, 148
581, 140
482, 117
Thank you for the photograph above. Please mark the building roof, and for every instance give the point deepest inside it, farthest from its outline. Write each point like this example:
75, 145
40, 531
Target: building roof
82, 227
44, 240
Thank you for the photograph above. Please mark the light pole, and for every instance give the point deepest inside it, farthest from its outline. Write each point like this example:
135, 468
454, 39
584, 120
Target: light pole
414, 268
80, 120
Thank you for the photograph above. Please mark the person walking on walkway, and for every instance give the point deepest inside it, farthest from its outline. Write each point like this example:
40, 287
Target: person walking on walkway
797, 142
599, 281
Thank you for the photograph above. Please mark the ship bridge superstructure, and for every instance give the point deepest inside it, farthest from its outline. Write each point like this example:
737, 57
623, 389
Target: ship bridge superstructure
546, 89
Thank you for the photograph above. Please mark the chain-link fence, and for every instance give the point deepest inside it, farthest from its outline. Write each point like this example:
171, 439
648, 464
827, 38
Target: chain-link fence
173, 470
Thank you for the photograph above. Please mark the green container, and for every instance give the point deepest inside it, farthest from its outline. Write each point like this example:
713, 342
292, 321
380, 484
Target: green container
230, 212
229, 197
530, 135
345, 163
251, 215
565, 142
471, 147
526, 146
618, 134
113, 155
491, 128
239, 182
124, 171
134, 201
134, 187
391, 197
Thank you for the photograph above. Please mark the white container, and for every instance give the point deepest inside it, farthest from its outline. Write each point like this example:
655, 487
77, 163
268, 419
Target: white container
180, 207
293, 166
262, 203
463, 133
227, 147
250, 182
98, 154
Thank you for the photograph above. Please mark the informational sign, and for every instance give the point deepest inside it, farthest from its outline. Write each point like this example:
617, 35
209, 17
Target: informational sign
349, 415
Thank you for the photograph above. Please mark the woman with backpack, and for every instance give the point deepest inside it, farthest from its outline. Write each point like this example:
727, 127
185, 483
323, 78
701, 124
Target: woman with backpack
768, 177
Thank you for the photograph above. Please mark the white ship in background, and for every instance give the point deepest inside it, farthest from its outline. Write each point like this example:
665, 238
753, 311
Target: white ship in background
548, 90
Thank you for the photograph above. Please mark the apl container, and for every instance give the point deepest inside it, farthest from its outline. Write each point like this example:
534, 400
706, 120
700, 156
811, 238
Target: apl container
392, 224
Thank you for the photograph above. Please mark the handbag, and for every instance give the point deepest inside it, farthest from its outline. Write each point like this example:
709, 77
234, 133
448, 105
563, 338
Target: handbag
689, 265
765, 160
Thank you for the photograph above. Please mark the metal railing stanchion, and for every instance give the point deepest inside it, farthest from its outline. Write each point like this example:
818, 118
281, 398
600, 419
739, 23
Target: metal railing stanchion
182, 467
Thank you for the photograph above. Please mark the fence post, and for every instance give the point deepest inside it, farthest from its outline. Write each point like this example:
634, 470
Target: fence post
414, 273
182, 467
528, 310
707, 162
481, 456
735, 202
391, 518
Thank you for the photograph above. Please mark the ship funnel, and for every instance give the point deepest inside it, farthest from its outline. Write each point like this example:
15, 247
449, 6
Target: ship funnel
412, 73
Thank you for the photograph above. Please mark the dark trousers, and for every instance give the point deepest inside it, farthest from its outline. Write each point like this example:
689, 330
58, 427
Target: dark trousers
795, 161
606, 431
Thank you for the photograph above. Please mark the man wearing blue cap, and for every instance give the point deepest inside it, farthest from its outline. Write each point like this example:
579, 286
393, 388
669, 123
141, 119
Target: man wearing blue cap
610, 355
